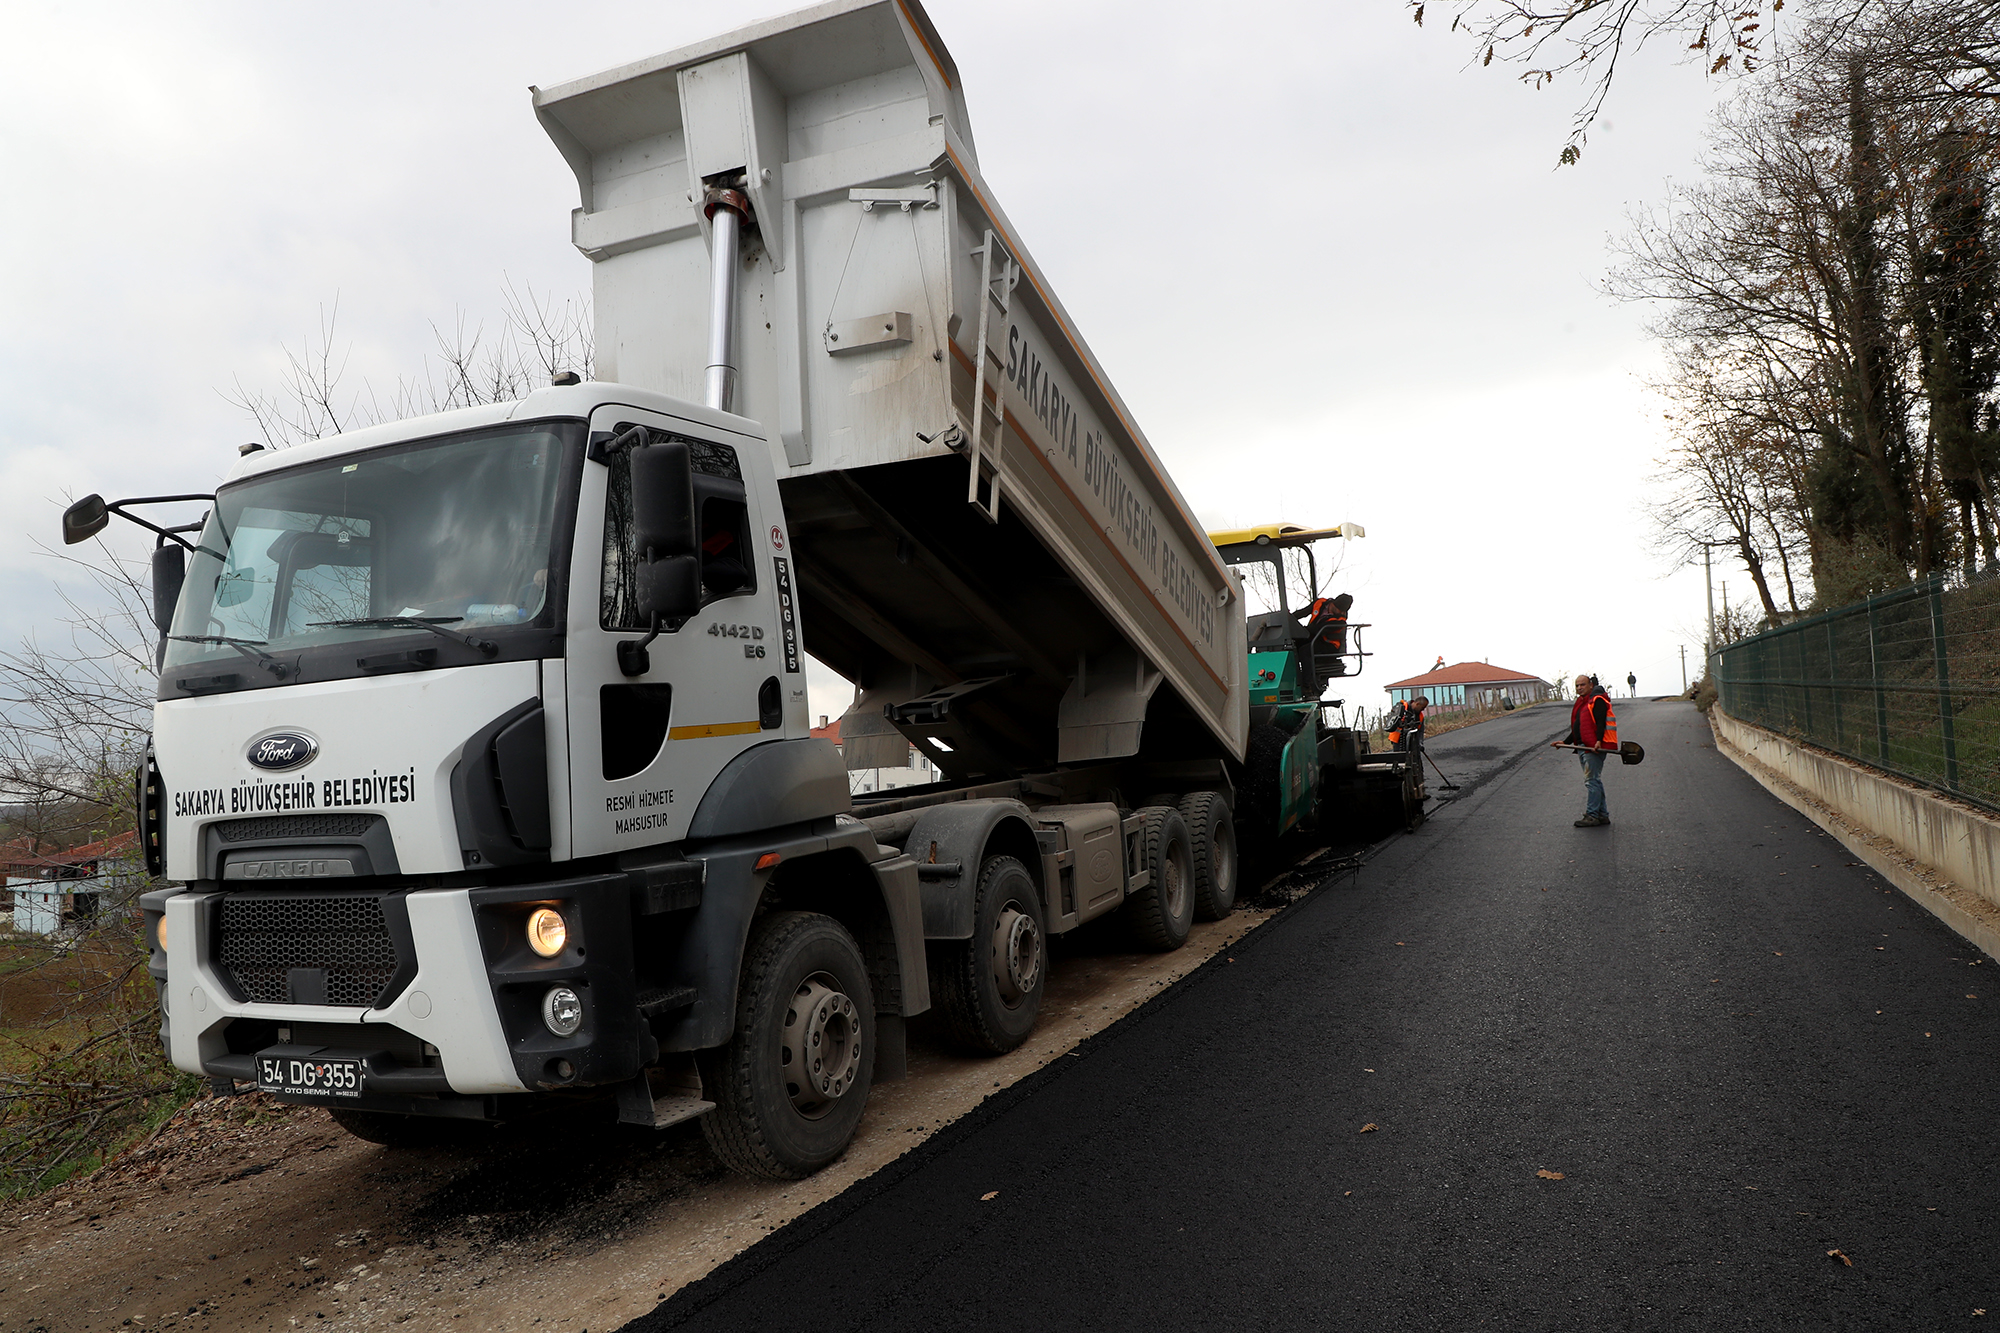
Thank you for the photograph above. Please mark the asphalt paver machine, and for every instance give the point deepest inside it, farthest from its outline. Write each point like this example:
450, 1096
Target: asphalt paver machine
1304, 767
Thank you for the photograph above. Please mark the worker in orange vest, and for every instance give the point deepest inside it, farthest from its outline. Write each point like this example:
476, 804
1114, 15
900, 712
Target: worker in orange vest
1326, 619
1406, 728
1593, 726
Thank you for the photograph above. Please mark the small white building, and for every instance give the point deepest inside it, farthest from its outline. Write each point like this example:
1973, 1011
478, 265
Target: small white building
917, 773
55, 890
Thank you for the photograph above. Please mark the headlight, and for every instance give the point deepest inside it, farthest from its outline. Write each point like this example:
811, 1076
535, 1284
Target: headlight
160, 932
562, 1011
547, 932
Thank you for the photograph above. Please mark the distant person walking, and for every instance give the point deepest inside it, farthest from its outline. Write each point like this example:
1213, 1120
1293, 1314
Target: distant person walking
1592, 726
1632, 683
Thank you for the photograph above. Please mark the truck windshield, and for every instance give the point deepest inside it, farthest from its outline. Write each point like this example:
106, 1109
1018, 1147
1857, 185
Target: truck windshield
456, 532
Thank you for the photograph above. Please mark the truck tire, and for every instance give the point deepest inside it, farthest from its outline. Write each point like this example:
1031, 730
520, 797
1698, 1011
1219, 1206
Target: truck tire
1161, 913
790, 1085
989, 988
1212, 846
406, 1131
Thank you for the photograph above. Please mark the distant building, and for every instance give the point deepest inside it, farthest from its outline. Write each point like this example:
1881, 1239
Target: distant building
1471, 685
917, 773
48, 891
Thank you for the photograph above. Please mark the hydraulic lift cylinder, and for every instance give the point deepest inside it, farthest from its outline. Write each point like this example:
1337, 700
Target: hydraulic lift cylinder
726, 210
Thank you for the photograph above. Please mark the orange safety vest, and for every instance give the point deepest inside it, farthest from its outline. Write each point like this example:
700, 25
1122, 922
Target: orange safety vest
1585, 712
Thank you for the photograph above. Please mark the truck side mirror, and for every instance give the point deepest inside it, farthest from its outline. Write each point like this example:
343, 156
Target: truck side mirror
669, 589
663, 500
668, 579
85, 519
169, 573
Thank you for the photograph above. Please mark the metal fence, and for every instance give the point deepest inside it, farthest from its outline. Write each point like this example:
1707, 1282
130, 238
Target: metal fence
1908, 681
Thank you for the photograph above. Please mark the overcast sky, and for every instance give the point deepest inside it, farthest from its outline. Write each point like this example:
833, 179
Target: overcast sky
1330, 267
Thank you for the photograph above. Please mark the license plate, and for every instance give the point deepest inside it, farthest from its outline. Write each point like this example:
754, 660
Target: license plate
309, 1075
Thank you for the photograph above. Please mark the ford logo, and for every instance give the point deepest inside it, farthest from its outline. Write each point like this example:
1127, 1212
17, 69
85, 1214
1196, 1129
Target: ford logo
282, 750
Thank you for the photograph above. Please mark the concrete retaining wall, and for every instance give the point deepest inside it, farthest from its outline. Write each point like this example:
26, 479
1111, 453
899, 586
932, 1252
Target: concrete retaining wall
1943, 854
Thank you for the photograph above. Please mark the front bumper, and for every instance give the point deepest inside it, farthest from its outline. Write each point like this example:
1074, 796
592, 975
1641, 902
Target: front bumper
457, 993
214, 1027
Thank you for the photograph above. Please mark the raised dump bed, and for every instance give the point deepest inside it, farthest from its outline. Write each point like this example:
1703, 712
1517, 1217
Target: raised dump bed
986, 544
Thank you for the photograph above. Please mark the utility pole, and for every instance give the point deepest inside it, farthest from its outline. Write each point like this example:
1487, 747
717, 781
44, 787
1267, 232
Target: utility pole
1708, 582
1684, 668
1708, 578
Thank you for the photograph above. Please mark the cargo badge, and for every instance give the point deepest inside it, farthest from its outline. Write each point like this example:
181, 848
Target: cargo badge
283, 750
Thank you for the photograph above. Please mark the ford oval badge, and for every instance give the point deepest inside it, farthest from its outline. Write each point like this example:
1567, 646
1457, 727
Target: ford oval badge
282, 750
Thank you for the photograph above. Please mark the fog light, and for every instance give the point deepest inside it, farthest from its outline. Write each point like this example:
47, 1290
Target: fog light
562, 1011
160, 932
547, 932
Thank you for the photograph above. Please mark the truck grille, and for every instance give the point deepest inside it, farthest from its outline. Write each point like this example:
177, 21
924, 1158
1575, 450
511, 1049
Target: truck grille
295, 826
265, 937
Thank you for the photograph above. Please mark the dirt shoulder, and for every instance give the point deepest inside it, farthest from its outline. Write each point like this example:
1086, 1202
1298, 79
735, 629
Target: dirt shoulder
241, 1214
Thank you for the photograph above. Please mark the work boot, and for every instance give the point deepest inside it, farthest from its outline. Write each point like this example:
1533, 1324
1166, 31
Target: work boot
1592, 821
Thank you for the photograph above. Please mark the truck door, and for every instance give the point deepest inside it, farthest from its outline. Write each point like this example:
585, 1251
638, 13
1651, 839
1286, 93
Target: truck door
643, 749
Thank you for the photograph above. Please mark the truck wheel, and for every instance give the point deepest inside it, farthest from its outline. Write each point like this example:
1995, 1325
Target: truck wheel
1212, 845
989, 988
790, 1086
406, 1131
1161, 913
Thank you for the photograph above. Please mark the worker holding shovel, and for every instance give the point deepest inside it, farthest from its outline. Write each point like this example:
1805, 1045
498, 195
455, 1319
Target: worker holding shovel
1593, 733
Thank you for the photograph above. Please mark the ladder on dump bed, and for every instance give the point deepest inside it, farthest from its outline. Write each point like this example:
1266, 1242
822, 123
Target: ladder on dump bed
997, 275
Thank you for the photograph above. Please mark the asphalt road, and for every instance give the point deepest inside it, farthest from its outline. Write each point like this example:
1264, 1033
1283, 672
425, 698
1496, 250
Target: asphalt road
1739, 1050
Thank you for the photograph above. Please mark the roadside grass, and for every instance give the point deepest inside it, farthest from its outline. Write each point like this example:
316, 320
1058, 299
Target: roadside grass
82, 1075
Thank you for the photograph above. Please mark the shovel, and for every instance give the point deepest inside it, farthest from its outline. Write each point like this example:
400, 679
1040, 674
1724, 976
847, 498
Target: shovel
1628, 752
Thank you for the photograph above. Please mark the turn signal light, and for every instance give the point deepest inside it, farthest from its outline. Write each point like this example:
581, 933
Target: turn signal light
547, 932
160, 932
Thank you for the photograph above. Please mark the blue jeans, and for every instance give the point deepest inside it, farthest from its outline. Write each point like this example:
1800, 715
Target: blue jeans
1593, 782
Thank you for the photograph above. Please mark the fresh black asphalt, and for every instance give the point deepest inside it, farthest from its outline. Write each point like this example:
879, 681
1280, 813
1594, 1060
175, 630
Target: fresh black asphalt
1739, 1050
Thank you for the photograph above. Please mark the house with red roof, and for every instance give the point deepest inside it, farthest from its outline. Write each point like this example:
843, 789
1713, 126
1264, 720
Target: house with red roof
1471, 685
47, 891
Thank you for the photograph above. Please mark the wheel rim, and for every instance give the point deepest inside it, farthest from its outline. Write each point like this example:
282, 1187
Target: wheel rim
1017, 954
1176, 875
819, 1048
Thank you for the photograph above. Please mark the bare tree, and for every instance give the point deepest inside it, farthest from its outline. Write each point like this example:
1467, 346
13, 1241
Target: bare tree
1588, 39
539, 338
1924, 50
1827, 292
1727, 476
75, 714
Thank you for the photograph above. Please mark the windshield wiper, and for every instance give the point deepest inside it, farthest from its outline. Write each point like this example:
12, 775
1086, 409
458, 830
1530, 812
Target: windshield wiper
435, 624
252, 648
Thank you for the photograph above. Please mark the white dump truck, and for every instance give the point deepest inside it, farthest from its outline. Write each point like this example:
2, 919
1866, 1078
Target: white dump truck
482, 753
